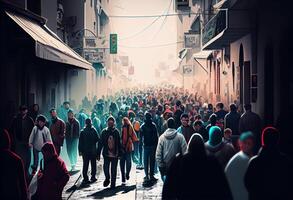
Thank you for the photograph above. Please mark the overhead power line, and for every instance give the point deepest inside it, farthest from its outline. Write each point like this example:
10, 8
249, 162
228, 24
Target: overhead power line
162, 15
150, 46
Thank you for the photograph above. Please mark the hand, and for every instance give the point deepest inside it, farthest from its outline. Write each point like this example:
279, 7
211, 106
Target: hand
98, 158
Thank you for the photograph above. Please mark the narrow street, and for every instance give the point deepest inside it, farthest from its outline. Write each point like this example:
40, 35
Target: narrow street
133, 189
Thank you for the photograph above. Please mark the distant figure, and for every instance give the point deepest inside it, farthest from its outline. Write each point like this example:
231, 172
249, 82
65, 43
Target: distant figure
231, 120
196, 175
177, 114
221, 113
185, 129
149, 135
81, 118
237, 166
198, 127
217, 147
53, 177
72, 136
170, 143
39, 136
128, 138
269, 174
111, 145
20, 131
34, 111
63, 111
211, 122
227, 136
12, 179
57, 130
250, 121
87, 148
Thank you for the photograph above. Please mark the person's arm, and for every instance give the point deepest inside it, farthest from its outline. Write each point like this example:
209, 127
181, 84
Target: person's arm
183, 145
63, 177
133, 135
48, 136
80, 143
159, 156
100, 145
32, 136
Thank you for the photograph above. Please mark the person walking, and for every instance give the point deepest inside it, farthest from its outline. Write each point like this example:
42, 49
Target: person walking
39, 136
87, 148
72, 136
237, 166
111, 145
128, 138
185, 129
170, 143
231, 120
217, 147
53, 177
196, 175
269, 174
13, 178
149, 135
57, 130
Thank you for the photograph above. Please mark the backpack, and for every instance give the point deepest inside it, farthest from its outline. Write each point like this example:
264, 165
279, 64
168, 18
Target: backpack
136, 126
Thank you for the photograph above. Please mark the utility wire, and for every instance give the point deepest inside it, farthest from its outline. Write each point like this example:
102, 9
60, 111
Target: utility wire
162, 15
151, 46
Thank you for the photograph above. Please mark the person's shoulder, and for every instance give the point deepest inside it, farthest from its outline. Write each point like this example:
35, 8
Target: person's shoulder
60, 120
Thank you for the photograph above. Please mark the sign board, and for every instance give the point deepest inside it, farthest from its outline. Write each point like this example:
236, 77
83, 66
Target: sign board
113, 43
215, 26
94, 56
90, 42
191, 40
188, 69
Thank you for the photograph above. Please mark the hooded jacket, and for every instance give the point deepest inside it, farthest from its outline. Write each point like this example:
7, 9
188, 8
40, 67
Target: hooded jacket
54, 176
170, 143
128, 136
88, 141
149, 133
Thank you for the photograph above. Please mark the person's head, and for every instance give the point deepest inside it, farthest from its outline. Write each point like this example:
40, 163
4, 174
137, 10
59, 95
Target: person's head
5, 141
210, 106
36, 107
111, 122
227, 133
41, 121
184, 119
197, 117
220, 106
171, 123
247, 107
49, 151
213, 119
53, 113
197, 125
178, 104
233, 107
246, 142
23, 110
88, 122
66, 105
70, 114
196, 146
215, 136
125, 121
270, 137
148, 116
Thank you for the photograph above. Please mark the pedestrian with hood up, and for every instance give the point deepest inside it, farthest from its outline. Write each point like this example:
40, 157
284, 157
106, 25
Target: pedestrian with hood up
87, 148
110, 143
217, 147
53, 177
212, 122
269, 174
231, 120
12, 179
150, 136
39, 136
237, 166
57, 130
72, 136
177, 114
128, 138
170, 143
185, 129
196, 175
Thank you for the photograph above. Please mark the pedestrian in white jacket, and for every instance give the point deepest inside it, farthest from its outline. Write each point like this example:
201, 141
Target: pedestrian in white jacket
237, 166
170, 143
38, 137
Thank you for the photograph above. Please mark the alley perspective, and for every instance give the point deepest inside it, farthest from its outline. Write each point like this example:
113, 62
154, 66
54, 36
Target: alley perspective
146, 99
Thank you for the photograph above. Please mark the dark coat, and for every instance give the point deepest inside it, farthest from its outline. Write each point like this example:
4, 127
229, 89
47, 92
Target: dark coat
232, 121
221, 114
177, 115
54, 177
88, 141
57, 130
186, 132
191, 177
149, 134
103, 143
12, 179
72, 129
269, 176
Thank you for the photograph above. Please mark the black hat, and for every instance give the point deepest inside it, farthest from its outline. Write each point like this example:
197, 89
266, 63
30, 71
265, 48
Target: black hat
41, 118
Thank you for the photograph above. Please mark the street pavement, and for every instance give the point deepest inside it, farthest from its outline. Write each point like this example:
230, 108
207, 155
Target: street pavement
132, 190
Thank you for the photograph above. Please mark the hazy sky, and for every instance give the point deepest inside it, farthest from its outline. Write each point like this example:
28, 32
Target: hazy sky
144, 59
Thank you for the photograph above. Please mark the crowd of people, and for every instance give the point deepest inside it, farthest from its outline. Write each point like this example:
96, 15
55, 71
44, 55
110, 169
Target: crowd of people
200, 151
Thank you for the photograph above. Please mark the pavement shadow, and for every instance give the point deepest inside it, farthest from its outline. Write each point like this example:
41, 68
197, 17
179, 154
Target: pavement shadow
149, 184
108, 192
71, 173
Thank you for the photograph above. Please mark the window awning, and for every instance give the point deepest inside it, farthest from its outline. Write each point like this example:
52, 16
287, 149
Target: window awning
47, 45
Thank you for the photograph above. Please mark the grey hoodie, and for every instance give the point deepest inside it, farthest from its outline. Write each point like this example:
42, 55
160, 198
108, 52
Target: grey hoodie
170, 143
